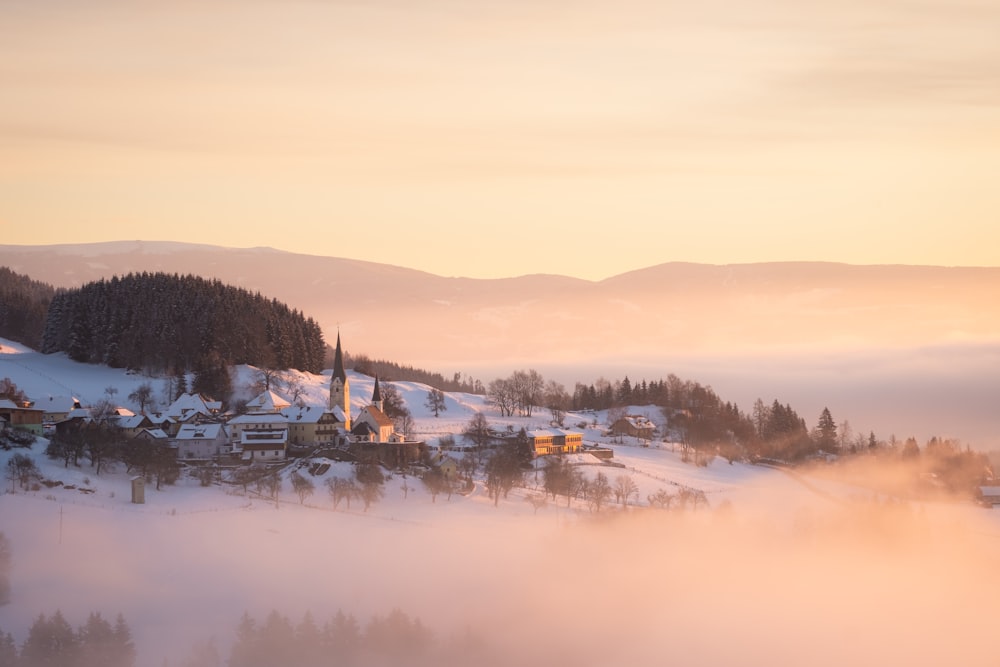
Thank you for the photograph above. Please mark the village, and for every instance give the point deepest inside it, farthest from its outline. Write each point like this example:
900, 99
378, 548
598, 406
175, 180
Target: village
269, 431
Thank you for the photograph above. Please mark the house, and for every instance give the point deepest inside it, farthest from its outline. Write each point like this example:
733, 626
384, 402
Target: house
555, 441
636, 426
155, 435
22, 415
256, 421
57, 408
448, 467
201, 442
263, 445
311, 426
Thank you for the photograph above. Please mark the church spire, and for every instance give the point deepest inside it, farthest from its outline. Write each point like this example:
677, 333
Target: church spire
377, 395
340, 387
338, 361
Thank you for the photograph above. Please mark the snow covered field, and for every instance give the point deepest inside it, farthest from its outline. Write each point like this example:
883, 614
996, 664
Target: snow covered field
773, 572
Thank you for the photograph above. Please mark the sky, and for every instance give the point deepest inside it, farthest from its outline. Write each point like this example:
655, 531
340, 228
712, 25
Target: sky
491, 139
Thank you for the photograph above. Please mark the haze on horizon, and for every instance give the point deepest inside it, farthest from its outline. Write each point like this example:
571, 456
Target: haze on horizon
492, 140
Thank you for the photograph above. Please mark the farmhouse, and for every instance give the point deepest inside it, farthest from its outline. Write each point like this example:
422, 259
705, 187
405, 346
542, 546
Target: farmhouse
21, 415
636, 426
57, 408
201, 442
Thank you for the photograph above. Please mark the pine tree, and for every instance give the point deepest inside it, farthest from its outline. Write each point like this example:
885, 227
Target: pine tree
826, 432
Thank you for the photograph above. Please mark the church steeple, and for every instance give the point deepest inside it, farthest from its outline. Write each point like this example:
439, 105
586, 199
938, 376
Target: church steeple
377, 396
340, 388
338, 362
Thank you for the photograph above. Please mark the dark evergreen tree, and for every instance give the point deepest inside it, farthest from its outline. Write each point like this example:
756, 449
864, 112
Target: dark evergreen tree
826, 432
51, 642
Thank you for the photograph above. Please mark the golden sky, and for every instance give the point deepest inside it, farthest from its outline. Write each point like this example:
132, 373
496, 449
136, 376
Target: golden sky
498, 138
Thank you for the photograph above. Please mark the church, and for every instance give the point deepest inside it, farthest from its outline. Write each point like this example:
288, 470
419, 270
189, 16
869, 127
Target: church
372, 429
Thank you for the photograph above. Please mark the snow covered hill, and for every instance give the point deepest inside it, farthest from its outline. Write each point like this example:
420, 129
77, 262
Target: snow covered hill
774, 570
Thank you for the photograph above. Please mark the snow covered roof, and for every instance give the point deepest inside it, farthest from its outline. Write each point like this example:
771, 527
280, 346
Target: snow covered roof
7, 404
275, 418
552, 432
133, 421
57, 403
306, 414
159, 418
188, 405
201, 432
268, 402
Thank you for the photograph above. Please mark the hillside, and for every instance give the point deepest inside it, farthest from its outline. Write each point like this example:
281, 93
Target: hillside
660, 585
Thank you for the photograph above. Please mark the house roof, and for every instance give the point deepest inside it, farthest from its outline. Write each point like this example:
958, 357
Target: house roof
57, 403
154, 433
553, 433
188, 405
308, 414
268, 402
271, 418
7, 404
133, 421
201, 432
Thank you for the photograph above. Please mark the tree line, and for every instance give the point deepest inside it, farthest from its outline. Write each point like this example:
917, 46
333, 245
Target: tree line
395, 372
342, 640
161, 322
52, 642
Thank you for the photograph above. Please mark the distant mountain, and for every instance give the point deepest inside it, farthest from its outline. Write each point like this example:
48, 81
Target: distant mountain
660, 312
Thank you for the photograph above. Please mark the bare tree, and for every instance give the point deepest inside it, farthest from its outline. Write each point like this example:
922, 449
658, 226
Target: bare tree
557, 400
436, 483
625, 488
662, 497
371, 479
478, 430
537, 502
436, 402
500, 392
21, 468
142, 396
269, 486
527, 386
405, 424
598, 491
503, 471
302, 486
341, 490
